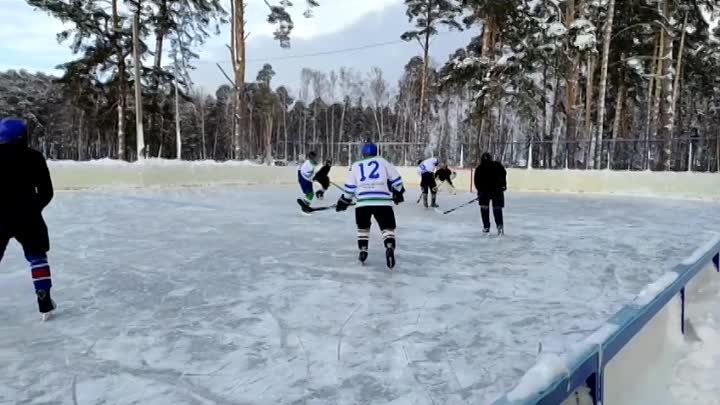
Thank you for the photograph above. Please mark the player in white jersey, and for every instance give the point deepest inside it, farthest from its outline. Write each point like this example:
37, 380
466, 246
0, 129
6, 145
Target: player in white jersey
426, 169
306, 172
377, 185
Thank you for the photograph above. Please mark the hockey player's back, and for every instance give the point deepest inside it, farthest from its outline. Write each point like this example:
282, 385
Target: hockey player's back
372, 181
377, 185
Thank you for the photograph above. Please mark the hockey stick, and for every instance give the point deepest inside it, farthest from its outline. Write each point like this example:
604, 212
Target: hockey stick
338, 187
474, 200
308, 209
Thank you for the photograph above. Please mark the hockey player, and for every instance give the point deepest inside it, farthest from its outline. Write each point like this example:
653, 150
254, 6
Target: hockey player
323, 177
26, 191
491, 183
306, 173
426, 169
376, 184
445, 176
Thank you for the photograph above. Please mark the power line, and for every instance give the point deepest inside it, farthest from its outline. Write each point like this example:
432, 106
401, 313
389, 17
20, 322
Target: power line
313, 54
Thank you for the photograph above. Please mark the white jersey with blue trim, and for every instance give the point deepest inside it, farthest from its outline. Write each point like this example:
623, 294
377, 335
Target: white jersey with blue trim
428, 166
371, 181
307, 170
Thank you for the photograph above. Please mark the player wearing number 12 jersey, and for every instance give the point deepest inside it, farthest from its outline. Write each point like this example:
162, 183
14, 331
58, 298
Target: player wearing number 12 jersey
377, 185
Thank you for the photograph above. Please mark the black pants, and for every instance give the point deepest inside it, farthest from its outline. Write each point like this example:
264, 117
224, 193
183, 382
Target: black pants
32, 234
497, 199
324, 181
385, 218
427, 183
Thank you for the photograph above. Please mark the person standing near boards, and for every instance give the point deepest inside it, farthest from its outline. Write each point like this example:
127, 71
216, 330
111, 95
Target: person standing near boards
491, 183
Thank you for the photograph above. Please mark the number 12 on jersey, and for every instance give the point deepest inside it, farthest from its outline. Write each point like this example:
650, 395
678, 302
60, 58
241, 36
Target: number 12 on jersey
374, 174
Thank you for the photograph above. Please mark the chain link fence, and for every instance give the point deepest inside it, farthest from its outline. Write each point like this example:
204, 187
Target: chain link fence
682, 154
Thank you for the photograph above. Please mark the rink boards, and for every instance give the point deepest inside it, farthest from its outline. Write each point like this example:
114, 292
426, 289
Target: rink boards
157, 173
613, 365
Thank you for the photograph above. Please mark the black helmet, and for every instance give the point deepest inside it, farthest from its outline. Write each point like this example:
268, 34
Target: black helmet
486, 158
312, 155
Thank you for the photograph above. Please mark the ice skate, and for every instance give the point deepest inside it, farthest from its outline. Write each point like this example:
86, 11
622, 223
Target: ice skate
486, 230
363, 256
434, 201
46, 305
390, 258
500, 230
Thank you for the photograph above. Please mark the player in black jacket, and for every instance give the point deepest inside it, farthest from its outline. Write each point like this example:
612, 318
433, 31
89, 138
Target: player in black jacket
491, 183
26, 191
323, 177
445, 176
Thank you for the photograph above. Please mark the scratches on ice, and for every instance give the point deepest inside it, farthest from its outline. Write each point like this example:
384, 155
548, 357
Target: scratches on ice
342, 328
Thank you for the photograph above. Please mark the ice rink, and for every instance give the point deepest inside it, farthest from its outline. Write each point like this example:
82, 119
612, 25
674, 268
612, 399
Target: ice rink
228, 295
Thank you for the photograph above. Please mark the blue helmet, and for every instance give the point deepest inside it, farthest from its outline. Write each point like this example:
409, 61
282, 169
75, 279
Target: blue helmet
12, 130
369, 150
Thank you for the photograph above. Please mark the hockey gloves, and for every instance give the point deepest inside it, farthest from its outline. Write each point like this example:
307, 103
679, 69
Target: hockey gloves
398, 196
342, 204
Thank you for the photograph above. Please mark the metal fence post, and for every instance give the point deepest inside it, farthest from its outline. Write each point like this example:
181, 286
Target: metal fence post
530, 156
690, 155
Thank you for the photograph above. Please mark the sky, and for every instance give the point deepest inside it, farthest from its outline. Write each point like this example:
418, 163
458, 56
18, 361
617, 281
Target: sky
28, 41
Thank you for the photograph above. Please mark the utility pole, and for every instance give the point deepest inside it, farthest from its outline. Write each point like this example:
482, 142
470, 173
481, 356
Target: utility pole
138, 90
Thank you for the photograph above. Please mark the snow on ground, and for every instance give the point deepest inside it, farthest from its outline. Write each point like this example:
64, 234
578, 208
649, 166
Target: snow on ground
229, 296
694, 378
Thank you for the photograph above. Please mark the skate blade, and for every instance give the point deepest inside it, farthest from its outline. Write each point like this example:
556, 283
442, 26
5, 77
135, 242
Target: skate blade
46, 316
390, 260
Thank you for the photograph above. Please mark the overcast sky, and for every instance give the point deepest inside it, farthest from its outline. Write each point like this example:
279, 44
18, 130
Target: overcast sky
28, 41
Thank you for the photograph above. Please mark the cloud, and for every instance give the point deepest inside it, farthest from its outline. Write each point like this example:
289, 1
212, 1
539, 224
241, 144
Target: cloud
380, 26
28, 40
332, 16
28, 37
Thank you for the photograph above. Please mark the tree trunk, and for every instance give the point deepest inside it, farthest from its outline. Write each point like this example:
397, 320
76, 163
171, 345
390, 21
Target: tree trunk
140, 138
590, 158
268, 139
668, 114
315, 137
426, 63
616, 123
285, 128
304, 132
607, 37
675, 84
202, 128
238, 56
650, 104
655, 124
121, 80
342, 121
571, 89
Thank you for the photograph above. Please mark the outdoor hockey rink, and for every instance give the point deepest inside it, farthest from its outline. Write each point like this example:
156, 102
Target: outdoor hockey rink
228, 295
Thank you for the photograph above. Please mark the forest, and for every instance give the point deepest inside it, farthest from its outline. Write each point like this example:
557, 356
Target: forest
579, 84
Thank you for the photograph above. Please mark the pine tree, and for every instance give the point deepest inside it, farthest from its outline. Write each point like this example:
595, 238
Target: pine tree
429, 15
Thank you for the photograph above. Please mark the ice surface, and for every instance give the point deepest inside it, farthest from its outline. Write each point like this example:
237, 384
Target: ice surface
228, 295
